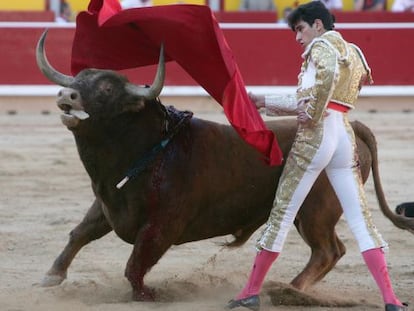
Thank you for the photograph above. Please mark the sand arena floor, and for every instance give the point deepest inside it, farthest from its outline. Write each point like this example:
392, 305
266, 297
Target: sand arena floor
45, 193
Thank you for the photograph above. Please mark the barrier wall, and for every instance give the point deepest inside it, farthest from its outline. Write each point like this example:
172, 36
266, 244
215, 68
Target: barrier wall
266, 53
26, 16
340, 17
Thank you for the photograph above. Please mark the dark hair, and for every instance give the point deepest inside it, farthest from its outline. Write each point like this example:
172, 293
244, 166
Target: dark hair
310, 11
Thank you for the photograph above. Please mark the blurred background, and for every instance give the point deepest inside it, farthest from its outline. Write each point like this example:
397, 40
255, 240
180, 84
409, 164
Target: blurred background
221, 5
263, 46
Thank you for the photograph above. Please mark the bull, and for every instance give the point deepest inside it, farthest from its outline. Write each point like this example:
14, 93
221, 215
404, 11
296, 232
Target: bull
162, 178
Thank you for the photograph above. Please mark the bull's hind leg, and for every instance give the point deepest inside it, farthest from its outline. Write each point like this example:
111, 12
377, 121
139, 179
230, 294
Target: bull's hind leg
93, 226
316, 224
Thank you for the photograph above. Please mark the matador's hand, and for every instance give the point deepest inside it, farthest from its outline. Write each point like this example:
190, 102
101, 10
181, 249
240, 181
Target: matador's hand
303, 118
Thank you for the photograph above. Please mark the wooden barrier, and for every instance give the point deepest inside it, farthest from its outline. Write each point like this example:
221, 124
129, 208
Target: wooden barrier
266, 53
341, 17
246, 17
374, 17
27, 16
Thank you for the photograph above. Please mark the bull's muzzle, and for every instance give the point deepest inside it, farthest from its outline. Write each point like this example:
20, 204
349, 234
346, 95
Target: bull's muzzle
70, 102
68, 99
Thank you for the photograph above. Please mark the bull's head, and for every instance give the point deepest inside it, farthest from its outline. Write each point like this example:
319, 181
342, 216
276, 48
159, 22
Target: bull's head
81, 94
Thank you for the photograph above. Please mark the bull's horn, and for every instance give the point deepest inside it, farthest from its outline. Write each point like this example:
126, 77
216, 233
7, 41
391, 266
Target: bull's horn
155, 89
44, 66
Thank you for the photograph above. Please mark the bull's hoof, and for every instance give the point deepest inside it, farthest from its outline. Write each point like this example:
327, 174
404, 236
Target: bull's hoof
52, 280
144, 294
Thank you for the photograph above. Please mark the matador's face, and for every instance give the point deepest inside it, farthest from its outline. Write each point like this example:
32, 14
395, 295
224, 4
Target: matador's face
305, 33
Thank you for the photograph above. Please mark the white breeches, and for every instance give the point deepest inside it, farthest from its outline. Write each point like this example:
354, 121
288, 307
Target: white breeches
330, 146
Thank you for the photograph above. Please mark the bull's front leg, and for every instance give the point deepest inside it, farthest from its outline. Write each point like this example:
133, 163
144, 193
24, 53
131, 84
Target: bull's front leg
93, 226
150, 245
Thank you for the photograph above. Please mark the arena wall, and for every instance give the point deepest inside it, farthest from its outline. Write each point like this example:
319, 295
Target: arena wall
267, 54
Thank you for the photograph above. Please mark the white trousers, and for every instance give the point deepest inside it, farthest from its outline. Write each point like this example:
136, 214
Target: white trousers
332, 147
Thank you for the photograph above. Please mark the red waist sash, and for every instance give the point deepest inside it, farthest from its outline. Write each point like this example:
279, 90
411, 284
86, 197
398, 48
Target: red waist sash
338, 107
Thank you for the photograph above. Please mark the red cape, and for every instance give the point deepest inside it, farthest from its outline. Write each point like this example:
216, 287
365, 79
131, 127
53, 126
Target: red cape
108, 37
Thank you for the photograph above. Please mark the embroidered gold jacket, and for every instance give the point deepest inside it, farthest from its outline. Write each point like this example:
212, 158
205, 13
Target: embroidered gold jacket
332, 70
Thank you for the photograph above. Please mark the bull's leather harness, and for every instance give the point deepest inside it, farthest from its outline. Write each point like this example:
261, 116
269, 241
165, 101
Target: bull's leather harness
176, 119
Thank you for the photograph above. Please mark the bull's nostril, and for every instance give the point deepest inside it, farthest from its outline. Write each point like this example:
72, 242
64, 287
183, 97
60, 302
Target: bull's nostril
73, 96
59, 94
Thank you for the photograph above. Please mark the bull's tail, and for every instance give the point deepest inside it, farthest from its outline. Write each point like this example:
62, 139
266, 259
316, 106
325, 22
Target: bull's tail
400, 221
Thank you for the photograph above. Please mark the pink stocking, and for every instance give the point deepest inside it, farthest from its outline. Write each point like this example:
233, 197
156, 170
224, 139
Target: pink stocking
375, 260
261, 266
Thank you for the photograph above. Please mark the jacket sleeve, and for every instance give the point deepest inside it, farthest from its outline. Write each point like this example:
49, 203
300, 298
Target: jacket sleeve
277, 104
323, 59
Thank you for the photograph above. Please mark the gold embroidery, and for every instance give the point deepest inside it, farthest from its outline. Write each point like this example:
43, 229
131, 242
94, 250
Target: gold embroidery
333, 56
306, 144
372, 229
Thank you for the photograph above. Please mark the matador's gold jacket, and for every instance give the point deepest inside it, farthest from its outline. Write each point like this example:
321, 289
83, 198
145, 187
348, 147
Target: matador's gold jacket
333, 70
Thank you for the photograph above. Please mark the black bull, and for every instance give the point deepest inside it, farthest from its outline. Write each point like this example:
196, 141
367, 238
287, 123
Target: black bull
207, 182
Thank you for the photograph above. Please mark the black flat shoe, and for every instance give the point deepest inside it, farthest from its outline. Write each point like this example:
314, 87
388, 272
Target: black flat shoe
391, 307
252, 303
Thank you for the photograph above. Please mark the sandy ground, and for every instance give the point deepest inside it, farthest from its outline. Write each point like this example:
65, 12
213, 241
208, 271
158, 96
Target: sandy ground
45, 193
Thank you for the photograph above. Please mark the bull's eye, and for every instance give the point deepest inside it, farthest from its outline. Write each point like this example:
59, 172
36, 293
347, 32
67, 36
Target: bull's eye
106, 87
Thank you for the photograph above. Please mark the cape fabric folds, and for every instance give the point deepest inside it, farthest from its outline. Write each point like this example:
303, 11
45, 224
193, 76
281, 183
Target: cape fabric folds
108, 37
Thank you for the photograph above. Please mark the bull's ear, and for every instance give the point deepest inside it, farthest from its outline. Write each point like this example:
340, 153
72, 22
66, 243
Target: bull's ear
136, 105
